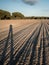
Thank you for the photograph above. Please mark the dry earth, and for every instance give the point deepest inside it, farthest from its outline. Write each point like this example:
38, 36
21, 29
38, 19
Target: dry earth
26, 42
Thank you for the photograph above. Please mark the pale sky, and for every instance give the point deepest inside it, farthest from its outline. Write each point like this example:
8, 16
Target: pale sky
26, 7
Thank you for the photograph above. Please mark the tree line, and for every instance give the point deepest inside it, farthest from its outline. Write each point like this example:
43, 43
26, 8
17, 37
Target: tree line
16, 15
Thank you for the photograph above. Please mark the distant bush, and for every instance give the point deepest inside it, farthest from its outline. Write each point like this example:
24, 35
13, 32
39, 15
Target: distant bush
4, 15
17, 15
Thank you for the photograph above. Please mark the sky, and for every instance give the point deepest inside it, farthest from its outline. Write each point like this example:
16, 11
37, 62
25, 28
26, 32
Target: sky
26, 7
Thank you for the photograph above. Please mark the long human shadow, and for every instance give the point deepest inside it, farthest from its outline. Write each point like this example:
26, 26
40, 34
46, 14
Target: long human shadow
10, 37
12, 49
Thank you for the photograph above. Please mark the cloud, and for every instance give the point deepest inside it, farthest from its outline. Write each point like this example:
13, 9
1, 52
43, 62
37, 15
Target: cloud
30, 2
